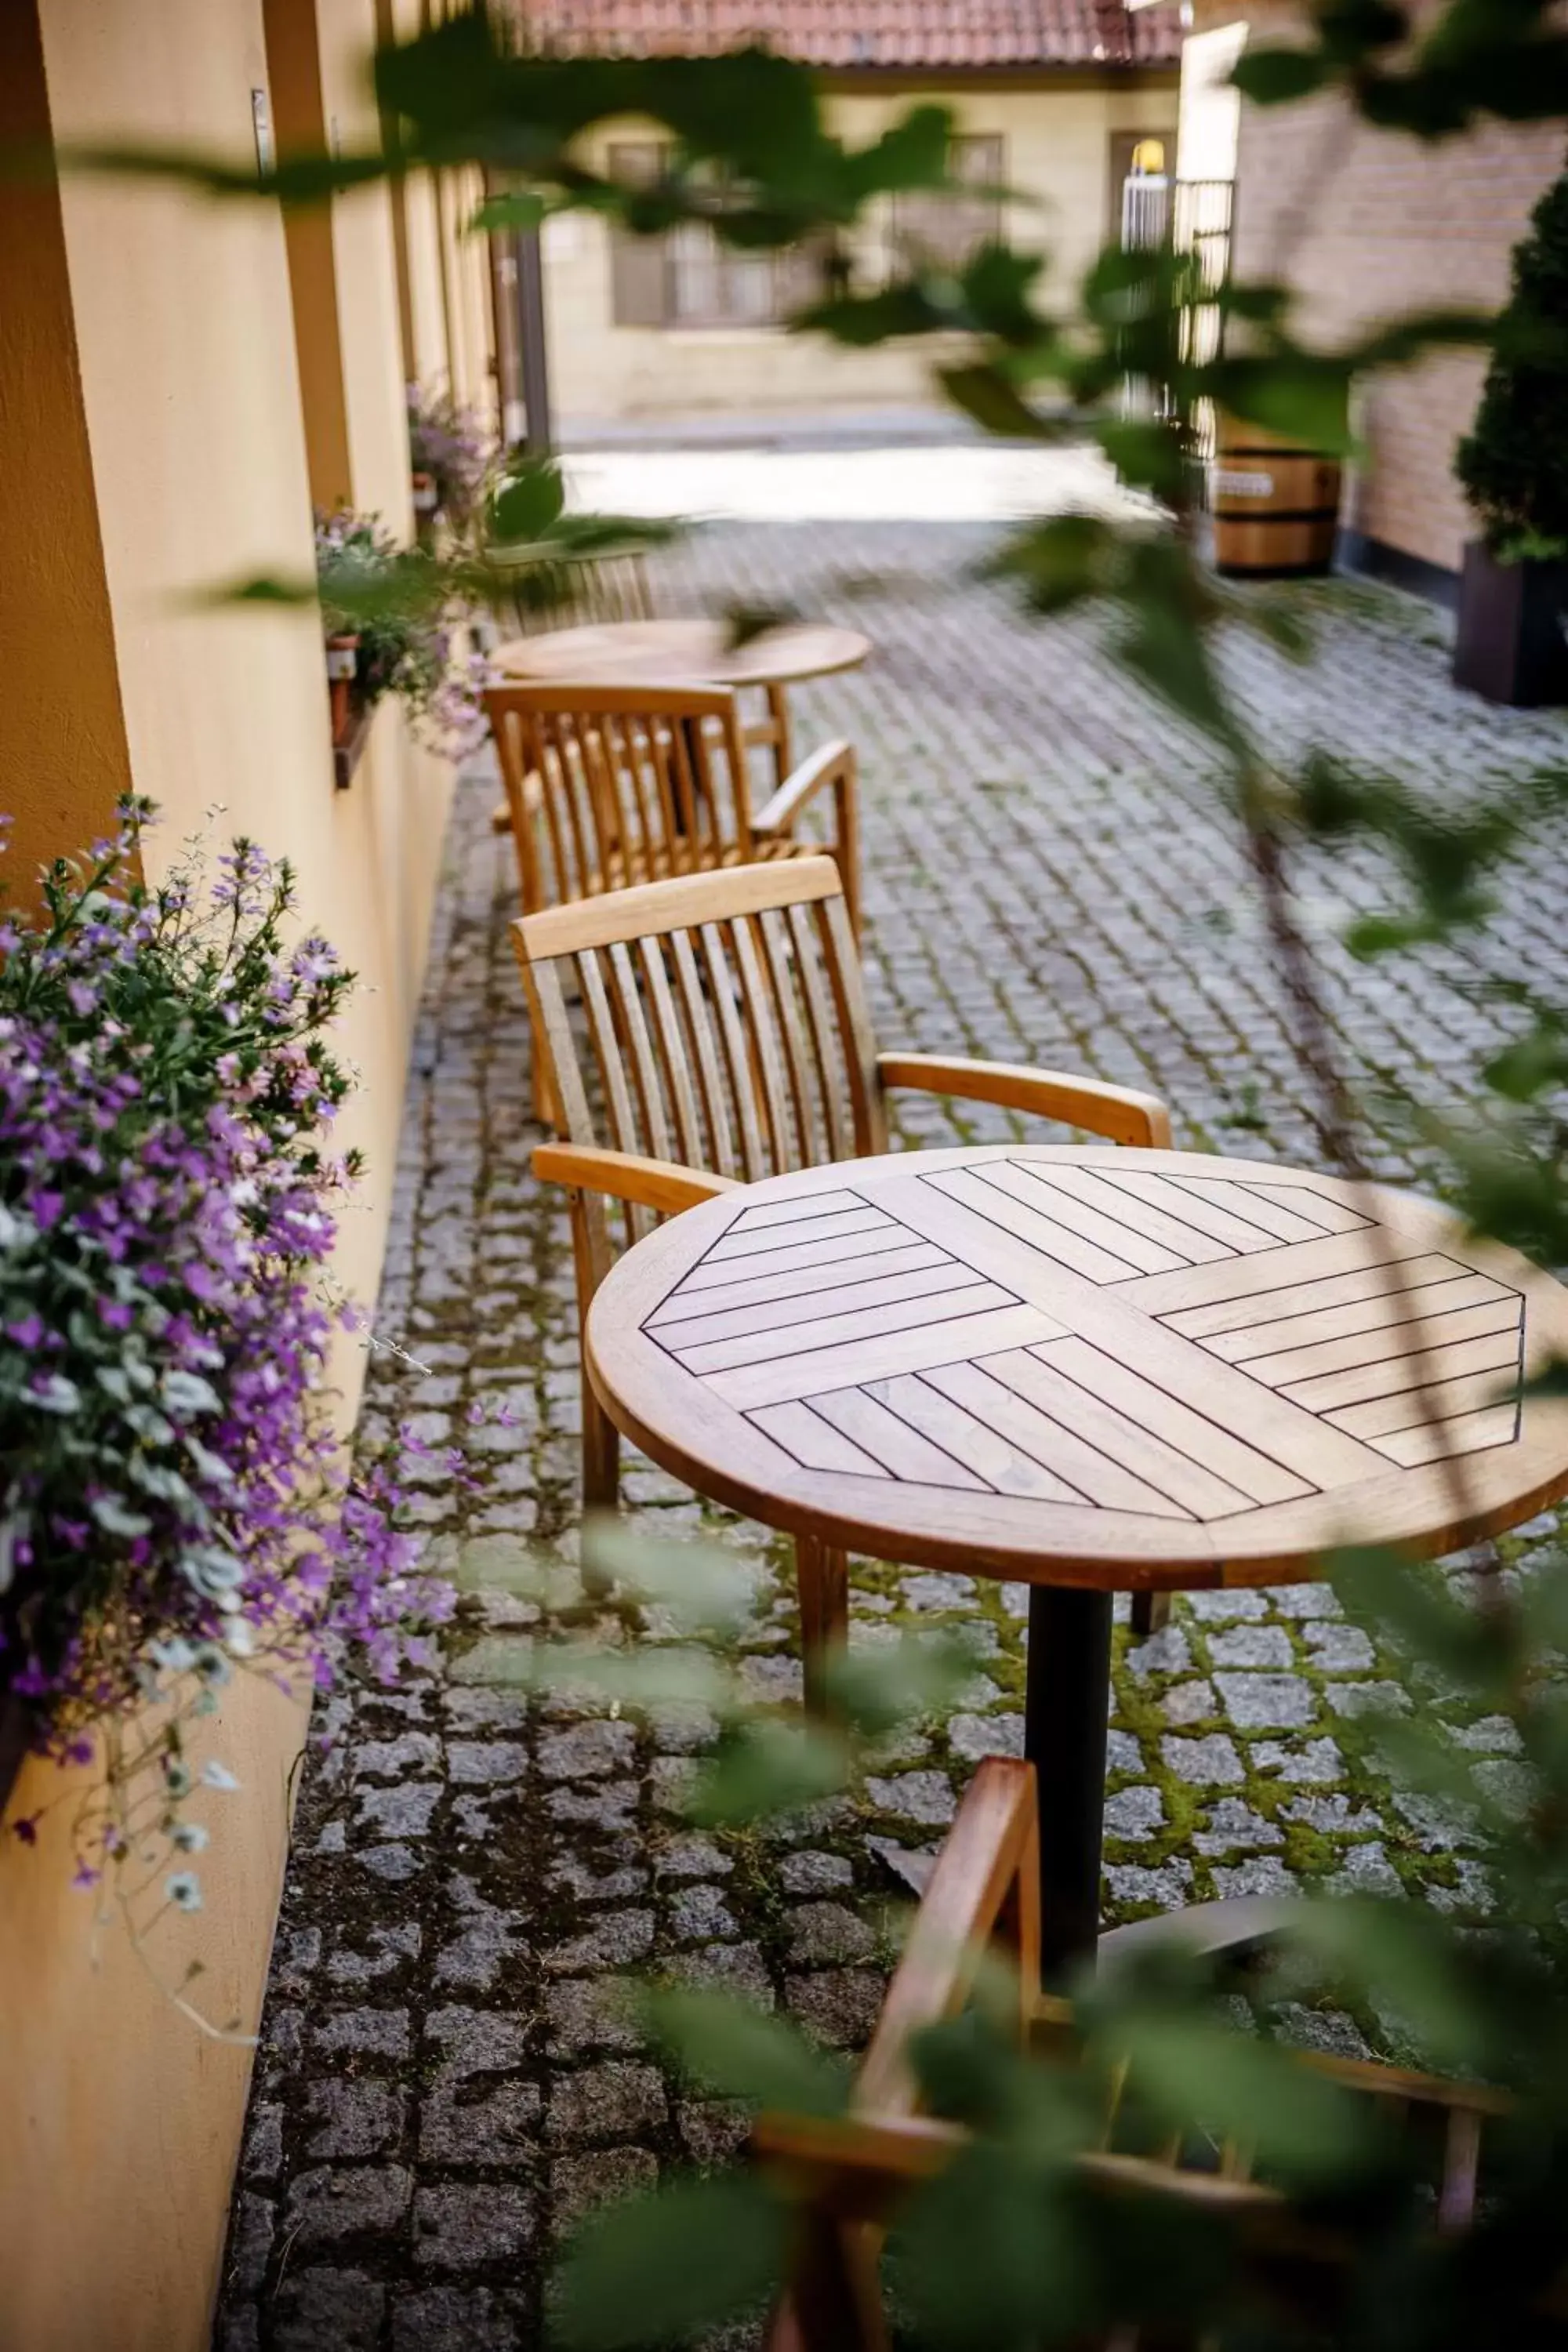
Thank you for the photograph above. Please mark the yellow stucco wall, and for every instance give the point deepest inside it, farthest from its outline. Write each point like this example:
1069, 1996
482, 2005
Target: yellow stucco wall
118, 2120
1057, 154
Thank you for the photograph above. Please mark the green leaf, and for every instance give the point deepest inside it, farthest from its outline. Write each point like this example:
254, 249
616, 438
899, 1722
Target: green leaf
1407, 1958
1146, 453
737, 2051
769, 1768
660, 2267
1194, 2070
997, 286
1278, 76
986, 395
1061, 562
639, 1677
860, 321
1304, 395
988, 2256
1409, 1602
911, 154
920, 1674
262, 588
523, 209
528, 502
1532, 1063
703, 1587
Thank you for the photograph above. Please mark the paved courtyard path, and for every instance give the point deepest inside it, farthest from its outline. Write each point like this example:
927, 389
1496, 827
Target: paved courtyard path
445, 2080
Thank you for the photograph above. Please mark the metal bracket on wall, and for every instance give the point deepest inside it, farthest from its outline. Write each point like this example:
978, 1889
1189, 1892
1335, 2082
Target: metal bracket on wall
346, 754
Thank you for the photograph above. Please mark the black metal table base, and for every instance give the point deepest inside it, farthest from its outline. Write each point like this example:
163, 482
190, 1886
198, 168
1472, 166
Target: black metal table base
1066, 1706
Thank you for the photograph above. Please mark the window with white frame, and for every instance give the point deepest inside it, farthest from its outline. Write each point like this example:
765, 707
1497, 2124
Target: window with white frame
946, 228
689, 277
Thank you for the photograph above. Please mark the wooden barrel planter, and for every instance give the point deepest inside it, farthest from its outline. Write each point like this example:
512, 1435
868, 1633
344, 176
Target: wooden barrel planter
1275, 504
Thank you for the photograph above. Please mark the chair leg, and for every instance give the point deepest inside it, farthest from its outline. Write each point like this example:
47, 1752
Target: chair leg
601, 1438
784, 742
822, 1577
1151, 1613
601, 1455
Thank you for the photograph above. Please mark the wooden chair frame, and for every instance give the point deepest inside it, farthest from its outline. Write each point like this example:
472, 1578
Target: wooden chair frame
847, 2177
728, 1018
613, 785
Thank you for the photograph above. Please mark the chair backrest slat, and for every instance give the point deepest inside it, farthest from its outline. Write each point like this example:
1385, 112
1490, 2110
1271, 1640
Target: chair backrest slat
690, 1144
813, 1142
709, 1077
737, 1061
550, 1002
693, 812
831, 1077
762, 1036
618, 1110
570, 772
843, 961
653, 1130
613, 785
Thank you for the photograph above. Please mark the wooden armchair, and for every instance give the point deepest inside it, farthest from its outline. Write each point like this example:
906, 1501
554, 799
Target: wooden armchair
849, 2176
728, 1039
609, 786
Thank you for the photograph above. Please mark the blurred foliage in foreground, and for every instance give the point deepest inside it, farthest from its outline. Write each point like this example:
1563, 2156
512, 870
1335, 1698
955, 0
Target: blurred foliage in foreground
1014, 2244
1002, 2250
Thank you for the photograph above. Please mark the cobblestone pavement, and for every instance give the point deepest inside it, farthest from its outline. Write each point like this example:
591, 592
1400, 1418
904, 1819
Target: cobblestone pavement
445, 2082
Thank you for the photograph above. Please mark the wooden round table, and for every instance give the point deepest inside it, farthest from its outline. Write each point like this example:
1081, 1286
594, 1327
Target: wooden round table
699, 650
1092, 1370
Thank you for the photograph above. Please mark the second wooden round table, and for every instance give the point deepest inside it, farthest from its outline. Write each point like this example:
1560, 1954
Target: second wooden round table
700, 650
1092, 1370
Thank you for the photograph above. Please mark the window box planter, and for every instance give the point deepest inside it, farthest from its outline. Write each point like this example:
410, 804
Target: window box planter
1512, 643
342, 667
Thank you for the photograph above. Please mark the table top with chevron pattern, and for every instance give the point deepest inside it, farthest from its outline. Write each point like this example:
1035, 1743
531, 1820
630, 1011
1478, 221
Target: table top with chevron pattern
1091, 1366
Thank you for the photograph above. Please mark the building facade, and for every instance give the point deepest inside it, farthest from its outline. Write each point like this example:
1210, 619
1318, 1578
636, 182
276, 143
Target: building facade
1369, 225
1050, 100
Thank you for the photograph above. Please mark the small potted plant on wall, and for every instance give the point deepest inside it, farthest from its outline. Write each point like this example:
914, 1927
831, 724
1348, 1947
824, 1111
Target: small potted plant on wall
452, 456
1514, 465
393, 617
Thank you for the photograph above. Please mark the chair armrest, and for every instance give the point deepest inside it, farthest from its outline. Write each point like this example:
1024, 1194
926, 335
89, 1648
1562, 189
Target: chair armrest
832, 763
1121, 1113
660, 1185
991, 1847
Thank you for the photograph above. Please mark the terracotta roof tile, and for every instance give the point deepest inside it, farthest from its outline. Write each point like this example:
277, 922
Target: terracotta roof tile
919, 35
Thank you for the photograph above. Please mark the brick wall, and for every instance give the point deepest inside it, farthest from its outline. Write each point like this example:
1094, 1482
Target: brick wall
1368, 224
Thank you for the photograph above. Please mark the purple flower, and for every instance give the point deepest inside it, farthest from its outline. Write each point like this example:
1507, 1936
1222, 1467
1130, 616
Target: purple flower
200, 1173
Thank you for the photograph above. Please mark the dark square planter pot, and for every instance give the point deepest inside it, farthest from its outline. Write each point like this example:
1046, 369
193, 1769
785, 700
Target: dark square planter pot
1513, 645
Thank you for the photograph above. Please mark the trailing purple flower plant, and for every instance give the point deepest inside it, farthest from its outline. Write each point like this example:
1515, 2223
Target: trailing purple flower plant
174, 1497
408, 610
453, 446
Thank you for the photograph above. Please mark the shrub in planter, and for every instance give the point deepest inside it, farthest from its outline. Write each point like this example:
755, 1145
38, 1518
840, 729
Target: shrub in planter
1513, 465
404, 609
173, 1501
